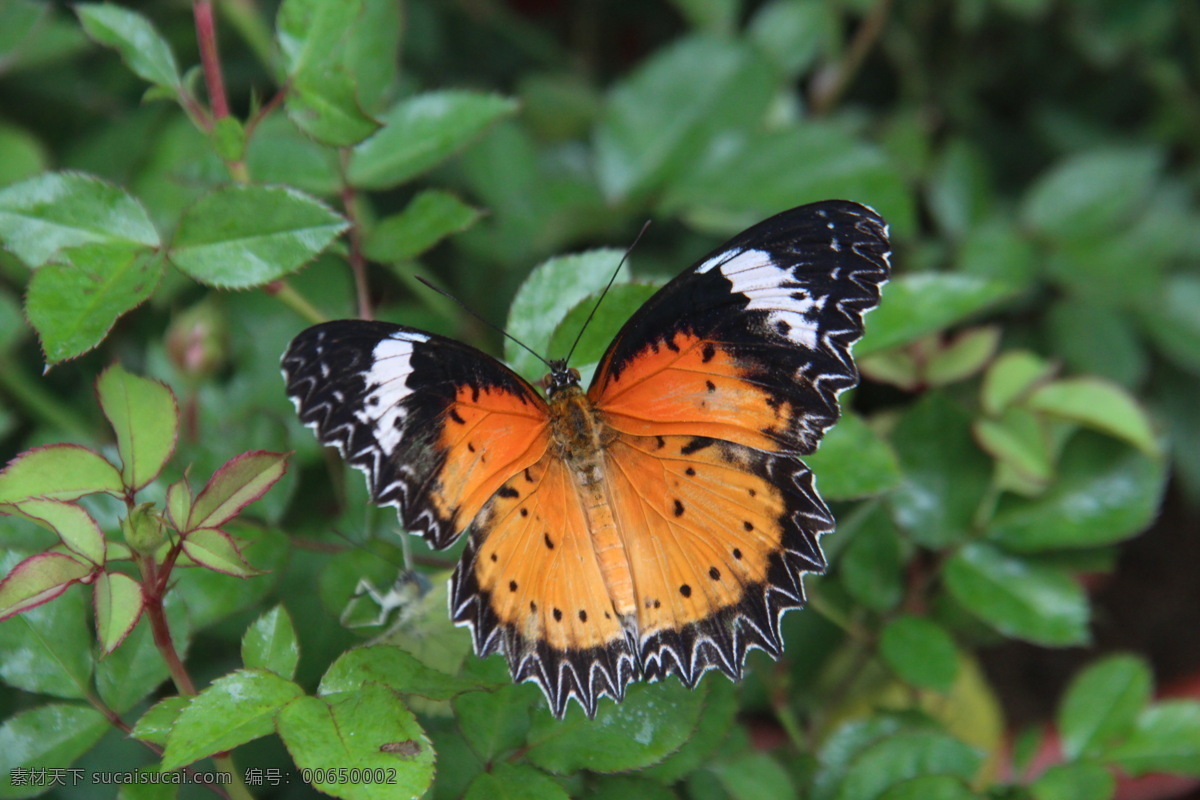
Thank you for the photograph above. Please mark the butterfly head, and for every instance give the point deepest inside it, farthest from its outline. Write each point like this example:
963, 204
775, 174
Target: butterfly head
561, 377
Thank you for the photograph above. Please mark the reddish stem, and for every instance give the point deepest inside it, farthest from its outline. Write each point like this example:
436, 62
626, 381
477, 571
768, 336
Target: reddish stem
206, 36
153, 586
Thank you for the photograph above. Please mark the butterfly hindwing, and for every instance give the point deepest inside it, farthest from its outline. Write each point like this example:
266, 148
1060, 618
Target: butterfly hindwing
725, 533
752, 344
530, 584
437, 426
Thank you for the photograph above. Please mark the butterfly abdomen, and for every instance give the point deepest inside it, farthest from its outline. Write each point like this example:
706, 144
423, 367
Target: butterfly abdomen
581, 436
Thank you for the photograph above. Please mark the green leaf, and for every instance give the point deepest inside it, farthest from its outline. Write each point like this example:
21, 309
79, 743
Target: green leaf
844, 745
429, 218
1012, 376
920, 652
930, 787
56, 210
1107, 492
1097, 340
552, 289
237, 237
215, 549
155, 725
325, 106
394, 668
1102, 704
653, 721
871, 566
945, 475
320, 43
118, 600
659, 120
1018, 598
47, 650
1173, 320
716, 722
794, 33
234, 709
280, 153
624, 787
212, 596
514, 782
918, 304
310, 32
141, 47
71, 523
58, 471
179, 503
1166, 739
751, 776
1081, 781
238, 483
22, 155
145, 417
270, 643
74, 304
619, 305
352, 731
1097, 404
904, 756
37, 580
371, 50
959, 190
964, 355
715, 16
1020, 441
853, 461
749, 175
998, 251
1091, 192
422, 131
495, 722
54, 734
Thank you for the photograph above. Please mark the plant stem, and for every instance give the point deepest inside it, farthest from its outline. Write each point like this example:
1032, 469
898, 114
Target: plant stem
826, 93
358, 264
206, 36
295, 301
152, 588
237, 789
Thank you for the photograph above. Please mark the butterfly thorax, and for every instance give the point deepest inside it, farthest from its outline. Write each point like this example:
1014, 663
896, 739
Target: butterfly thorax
578, 433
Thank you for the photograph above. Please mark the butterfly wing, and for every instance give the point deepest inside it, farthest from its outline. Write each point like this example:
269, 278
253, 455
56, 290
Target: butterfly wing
437, 426
530, 584
752, 344
714, 388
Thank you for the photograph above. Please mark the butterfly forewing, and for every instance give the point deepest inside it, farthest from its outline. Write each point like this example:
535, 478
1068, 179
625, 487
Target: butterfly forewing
437, 426
752, 344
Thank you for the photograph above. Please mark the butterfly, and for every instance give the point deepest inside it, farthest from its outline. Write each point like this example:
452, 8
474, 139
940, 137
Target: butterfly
658, 523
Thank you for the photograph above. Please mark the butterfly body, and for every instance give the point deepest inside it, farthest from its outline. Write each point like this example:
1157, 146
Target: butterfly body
659, 522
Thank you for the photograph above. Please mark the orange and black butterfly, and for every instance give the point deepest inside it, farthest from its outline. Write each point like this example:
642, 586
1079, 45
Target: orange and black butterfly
660, 522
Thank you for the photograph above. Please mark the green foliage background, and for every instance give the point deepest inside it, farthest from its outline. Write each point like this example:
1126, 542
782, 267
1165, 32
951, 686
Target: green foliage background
1030, 377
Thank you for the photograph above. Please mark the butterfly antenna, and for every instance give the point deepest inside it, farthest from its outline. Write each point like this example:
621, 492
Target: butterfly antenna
491, 325
600, 299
